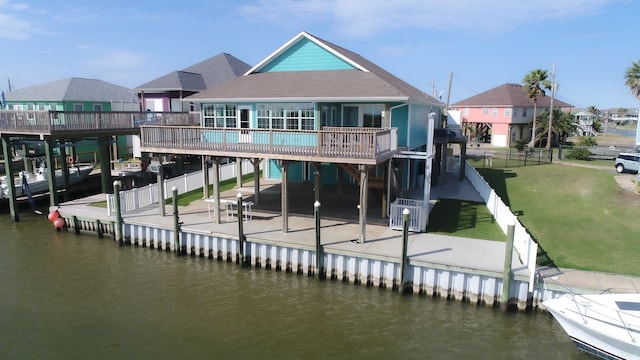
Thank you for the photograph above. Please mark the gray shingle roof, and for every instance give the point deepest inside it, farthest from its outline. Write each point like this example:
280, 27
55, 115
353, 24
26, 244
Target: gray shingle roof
205, 74
507, 95
73, 89
356, 84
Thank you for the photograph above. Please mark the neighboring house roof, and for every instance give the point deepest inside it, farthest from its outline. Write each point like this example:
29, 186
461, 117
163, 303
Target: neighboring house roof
507, 95
205, 74
361, 80
73, 89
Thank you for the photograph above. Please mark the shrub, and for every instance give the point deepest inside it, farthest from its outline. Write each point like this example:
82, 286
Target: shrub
578, 153
521, 145
587, 141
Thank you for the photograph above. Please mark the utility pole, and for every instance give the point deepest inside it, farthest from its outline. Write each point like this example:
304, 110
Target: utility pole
9, 82
446, 107
553, 91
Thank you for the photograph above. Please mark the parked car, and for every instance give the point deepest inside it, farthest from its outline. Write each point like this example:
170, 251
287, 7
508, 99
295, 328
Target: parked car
627, 162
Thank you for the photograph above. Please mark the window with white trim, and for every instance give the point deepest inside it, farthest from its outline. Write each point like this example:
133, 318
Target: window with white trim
219, 115
292, 116
507, 112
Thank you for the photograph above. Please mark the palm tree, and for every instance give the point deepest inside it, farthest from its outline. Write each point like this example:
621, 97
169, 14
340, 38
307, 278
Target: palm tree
563, 124
597, 114
534, 84
632, 78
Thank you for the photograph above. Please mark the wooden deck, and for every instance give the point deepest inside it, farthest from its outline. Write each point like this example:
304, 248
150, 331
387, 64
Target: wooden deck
181, 133
69, 124
367, 146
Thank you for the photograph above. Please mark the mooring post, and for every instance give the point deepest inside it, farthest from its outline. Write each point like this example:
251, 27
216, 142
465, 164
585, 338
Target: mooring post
240, 230
319, 254
160, 182
176, 221
508, 256
405, 242
116, 195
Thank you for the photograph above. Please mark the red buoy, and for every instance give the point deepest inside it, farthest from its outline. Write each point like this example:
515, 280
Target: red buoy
53, 215
59, 223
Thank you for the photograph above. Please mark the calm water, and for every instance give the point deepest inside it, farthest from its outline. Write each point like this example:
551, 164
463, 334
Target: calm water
65, 296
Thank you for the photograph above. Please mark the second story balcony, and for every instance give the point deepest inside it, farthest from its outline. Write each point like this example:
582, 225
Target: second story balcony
68, 123
330, 144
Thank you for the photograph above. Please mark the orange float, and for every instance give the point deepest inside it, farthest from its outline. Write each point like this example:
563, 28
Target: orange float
59, 223
53, 215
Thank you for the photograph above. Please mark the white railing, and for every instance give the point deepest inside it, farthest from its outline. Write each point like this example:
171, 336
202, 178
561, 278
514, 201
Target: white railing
141, 197
417, 214
526, 247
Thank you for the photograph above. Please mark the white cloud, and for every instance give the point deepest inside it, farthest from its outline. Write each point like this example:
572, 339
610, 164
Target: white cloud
360, 18
13, 23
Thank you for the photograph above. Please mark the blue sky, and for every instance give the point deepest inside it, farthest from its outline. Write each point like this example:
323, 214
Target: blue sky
483, 43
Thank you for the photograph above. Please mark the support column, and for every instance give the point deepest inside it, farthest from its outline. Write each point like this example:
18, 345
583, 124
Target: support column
64, 166
256, 180
507, 274
51, 172
316, 180
463, 160
105, 164
11, 186
364, 192
390, 171
28, 165
340, 180
160, 184
216, 189
205, 176
238, 173
284, 196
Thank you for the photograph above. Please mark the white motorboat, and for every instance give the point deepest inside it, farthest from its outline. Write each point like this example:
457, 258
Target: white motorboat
606, 326
35, 183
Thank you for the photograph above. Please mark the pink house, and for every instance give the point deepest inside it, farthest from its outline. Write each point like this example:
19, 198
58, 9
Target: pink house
502, 115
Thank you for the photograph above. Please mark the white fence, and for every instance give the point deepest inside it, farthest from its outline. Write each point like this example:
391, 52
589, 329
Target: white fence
418, 214
526, 247
138, 198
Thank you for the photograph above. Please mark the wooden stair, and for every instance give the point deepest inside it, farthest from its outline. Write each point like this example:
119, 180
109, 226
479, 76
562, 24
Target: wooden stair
374, 182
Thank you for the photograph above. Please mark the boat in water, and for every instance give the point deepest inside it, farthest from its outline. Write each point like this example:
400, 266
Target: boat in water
27, 184
606, 326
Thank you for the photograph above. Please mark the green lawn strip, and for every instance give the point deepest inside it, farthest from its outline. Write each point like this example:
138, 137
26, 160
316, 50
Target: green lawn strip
193, 195
580, 217
463, 219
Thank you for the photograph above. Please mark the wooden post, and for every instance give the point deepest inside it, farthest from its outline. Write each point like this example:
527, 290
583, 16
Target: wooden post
160, 182
405, 243
116, 195
241, 238
319, 253
239, 172
256, 180
176, 222
105, 164
507, 275
362, 207
64, 166
51, 172
11, 186
216, 190
284, 196
205, 176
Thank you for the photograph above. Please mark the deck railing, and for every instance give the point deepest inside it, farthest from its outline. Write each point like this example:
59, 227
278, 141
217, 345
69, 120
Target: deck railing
351, 143
48, 122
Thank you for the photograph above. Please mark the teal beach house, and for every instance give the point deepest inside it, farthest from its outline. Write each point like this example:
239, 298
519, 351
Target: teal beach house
312, 111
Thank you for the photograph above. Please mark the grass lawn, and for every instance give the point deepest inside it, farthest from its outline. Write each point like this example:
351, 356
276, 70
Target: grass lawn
465, 219
580, 217
186, 198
